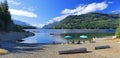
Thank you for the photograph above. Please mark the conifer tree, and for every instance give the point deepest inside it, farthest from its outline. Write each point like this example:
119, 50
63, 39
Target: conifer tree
5, 17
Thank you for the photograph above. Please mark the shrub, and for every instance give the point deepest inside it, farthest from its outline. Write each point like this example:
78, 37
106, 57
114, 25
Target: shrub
118, 31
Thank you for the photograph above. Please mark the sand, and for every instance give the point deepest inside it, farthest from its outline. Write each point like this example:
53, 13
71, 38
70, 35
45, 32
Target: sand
17, 50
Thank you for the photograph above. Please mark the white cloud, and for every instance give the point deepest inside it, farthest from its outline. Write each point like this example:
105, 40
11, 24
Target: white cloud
59, 18
38, 25
31, 9
28, 8
22, 13
86, 9
81, 9
50, 21
56, 19
13, 2
116, 11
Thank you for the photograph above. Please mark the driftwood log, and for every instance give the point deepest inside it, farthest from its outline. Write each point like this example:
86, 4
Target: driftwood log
102, 47
71, 51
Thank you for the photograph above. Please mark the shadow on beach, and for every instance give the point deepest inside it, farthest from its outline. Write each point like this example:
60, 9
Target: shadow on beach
13, 47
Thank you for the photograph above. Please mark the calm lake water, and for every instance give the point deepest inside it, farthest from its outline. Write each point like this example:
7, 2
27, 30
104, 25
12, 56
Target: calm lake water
47, 36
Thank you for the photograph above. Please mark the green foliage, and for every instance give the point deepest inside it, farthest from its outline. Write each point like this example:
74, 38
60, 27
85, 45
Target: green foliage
6, 23
18, 28
1, 25
118, 30
88, 21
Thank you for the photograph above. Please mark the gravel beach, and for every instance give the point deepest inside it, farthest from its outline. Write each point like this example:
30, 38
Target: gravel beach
21, 50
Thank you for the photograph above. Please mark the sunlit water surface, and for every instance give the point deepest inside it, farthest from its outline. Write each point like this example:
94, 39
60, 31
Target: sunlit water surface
47, 36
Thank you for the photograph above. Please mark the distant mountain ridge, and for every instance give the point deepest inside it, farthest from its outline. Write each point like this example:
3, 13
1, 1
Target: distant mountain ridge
88, 21
23, 24
48, 26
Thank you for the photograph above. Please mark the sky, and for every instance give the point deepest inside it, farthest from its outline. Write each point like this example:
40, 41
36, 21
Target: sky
42, 12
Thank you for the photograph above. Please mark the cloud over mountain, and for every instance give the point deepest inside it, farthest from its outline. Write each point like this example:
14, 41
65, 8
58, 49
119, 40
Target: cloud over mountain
81, 9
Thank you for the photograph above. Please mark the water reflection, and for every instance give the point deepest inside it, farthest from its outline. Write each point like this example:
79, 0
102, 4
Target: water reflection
58, 35
44, 38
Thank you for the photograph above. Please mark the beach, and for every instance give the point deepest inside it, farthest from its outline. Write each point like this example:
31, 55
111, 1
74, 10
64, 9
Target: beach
22, 50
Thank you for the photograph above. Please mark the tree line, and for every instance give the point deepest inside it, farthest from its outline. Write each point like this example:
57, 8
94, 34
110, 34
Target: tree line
6, 23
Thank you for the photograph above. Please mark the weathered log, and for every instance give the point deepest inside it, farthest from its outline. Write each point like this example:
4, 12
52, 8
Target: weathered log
71, 51
102, 47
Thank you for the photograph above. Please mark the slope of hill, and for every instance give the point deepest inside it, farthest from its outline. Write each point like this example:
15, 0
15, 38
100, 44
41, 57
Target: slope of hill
17, 22
48, 26
23, 24
88, 21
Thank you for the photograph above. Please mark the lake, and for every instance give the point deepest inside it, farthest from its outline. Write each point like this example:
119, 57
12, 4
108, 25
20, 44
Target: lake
48, 36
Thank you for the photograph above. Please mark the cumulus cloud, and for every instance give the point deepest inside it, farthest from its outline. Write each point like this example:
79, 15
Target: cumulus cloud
22, 13
81, 9
14, 2
86, 8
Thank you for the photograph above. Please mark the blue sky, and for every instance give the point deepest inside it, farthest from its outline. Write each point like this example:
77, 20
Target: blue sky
41, 12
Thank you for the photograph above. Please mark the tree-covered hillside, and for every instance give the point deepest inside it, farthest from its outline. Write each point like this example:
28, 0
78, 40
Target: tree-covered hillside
88, 21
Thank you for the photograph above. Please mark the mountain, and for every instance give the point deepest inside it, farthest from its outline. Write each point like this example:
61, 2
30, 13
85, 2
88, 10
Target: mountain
17, 22
88, 21
48, 26
23, 24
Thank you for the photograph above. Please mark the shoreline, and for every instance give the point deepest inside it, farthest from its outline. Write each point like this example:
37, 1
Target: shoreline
14, 36
29, 50
51, 51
